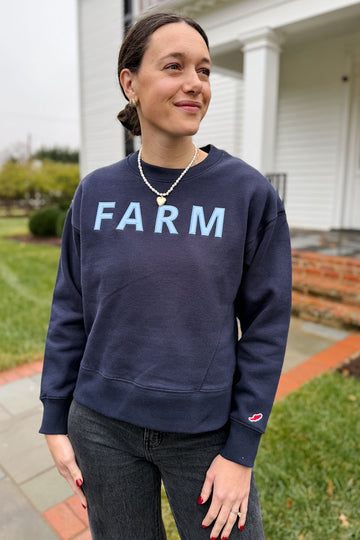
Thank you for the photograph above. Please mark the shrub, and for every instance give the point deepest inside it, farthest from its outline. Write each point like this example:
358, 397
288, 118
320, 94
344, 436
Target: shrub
64, 205
46, 183
43, 222
60, 222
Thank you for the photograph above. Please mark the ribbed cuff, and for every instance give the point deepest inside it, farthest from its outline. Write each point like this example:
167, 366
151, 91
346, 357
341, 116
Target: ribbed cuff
55, 417
242, 444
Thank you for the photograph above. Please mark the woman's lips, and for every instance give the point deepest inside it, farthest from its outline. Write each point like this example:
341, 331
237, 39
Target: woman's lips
189, 106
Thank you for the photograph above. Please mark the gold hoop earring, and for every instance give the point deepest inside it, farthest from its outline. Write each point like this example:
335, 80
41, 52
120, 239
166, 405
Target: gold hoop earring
132, 103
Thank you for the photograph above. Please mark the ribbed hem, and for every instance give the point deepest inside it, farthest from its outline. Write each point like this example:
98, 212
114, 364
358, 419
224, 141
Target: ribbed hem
56, 412
179, 412
242, 444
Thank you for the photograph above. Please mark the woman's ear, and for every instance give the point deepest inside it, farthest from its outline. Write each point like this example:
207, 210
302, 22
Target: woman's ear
127, 79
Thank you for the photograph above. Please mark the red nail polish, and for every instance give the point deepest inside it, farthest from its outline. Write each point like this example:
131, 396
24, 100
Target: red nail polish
213, 538
224, 538
83, 505
79, 482
200, 500
204, 526
242, 528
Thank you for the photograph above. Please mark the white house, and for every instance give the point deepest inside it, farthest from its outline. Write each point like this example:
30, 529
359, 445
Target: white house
286, 93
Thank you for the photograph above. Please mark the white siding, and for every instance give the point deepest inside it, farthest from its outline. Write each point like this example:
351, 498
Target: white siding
312, 118
309, 140
222, 123
100, 37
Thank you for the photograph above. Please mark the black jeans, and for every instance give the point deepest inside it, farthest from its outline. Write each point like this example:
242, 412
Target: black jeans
123, 465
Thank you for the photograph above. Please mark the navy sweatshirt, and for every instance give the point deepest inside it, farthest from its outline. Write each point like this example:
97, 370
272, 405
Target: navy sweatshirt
143, 322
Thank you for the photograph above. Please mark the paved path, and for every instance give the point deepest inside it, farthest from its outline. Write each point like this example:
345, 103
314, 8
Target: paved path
37, 504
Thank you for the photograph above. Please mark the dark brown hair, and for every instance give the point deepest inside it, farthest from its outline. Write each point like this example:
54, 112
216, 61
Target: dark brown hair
133, 50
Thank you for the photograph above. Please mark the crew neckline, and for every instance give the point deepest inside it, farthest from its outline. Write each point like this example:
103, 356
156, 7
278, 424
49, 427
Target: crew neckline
154, 173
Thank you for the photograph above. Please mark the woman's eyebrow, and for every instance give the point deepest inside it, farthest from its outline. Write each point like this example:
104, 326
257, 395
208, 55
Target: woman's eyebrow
182, 56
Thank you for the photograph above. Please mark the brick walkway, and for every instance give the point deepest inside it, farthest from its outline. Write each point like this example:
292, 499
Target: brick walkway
69, 520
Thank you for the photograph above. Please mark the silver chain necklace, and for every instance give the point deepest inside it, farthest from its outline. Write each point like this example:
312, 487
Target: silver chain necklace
161, 197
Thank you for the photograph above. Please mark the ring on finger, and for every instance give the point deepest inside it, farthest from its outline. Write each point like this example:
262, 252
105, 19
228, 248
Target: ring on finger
236, 513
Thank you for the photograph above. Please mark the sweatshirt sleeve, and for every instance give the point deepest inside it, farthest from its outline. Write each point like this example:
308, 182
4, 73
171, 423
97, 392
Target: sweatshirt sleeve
263, 306
66, 337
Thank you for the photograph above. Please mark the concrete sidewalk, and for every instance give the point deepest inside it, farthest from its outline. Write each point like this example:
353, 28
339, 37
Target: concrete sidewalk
37, 504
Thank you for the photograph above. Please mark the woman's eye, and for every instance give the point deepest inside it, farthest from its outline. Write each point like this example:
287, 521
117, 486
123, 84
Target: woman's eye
173, 66
205, 71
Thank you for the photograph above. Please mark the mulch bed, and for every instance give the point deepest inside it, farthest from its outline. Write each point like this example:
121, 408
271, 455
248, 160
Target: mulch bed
351, 367
30, 239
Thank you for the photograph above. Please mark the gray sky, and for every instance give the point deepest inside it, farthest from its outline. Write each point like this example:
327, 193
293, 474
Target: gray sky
38, 73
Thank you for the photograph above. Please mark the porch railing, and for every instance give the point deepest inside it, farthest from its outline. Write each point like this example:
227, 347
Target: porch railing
278, 180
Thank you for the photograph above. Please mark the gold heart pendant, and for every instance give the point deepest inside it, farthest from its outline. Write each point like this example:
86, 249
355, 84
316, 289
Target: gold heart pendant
160, 200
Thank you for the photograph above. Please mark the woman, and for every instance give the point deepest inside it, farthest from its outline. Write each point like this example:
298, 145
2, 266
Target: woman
161, 252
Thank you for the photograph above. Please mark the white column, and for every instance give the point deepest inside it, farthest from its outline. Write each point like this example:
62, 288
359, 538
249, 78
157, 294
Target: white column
261, 50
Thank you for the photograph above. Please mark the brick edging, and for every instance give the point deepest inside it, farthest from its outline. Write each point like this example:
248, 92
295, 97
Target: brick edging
69, 520
70, 509
20, 372
318, 364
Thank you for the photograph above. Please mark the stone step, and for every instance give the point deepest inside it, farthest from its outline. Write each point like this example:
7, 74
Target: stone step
345, 269
334, 289
326, 288
326, 311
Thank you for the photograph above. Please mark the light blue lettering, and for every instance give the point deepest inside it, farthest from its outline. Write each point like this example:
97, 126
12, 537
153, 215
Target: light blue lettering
217, 216
100, 215
168, 220
136, 220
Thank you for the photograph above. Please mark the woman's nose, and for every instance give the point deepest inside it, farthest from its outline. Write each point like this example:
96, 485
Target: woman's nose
192, 82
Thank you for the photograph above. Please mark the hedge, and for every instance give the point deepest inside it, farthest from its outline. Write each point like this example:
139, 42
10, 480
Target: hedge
43, 222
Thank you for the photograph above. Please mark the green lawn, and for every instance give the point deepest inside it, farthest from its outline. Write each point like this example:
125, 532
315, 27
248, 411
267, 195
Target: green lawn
27, 275
308, 466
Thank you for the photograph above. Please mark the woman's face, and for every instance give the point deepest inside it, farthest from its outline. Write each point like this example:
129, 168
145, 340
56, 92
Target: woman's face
172, 84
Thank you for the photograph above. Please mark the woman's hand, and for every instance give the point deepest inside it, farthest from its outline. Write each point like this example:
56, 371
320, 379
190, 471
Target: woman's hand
64, 457
229, 483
